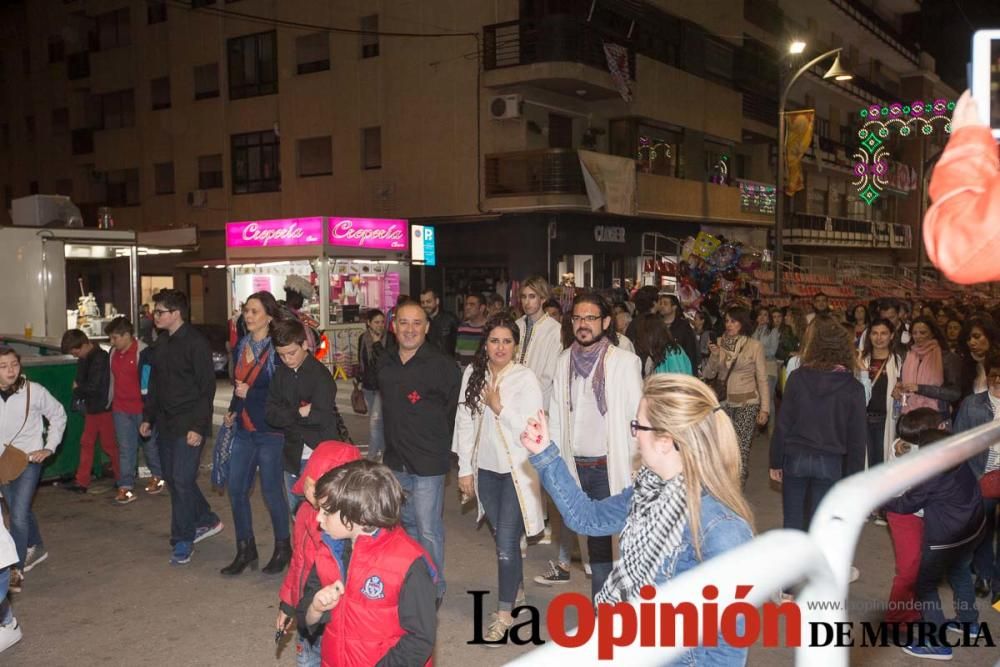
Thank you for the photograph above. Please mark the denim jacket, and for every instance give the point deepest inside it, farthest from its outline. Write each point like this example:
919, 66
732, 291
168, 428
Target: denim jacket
976, 410
721, 530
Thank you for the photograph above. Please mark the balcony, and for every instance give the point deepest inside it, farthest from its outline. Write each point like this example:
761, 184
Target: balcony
765, 14
558, 53
535, 178
819, 230
696, 200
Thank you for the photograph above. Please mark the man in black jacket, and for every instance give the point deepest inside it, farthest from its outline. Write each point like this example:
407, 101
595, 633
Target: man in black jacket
92, 396
419, 386
443, 333
670, 308
180, 404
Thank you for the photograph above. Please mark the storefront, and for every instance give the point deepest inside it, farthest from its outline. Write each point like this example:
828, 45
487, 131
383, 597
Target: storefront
343, 267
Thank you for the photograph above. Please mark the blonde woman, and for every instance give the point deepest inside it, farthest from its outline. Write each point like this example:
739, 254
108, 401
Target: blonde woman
540, 335
685, 505
499, 395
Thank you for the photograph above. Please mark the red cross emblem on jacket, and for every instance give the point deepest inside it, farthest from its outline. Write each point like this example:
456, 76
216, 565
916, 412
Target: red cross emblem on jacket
413, 396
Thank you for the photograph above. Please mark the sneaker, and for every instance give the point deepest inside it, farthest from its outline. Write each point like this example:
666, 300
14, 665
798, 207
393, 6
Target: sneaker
587, 571
520, 599
75, 487
556, 575
958, 628
125, 496
206, 532
497, 630
182, 553
928, 652
880, 520
34, 556
16, 580
155, 485
10, 634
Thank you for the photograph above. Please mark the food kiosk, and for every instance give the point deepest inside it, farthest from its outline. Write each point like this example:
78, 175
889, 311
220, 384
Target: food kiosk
353, 264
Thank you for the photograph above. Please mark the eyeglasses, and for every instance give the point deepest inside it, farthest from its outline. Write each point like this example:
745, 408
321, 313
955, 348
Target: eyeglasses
576, 319
163, 311
994, 378
635, 426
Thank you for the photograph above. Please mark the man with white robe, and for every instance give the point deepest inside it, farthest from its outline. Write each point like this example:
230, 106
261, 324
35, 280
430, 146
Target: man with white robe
541, 336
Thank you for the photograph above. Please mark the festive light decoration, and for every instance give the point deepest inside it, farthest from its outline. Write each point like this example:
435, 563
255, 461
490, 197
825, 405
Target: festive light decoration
650, 150
757, 197
918, 117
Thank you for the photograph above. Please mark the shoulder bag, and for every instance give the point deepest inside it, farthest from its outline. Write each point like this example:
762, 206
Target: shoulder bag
13, 460
721, 385
358, 403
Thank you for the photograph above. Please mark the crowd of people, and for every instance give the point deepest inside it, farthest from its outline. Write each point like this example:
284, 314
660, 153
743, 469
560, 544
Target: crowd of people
625, 427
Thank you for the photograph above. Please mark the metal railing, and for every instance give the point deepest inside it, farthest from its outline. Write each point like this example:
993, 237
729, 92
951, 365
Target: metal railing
779, 559
811, 229
553, 171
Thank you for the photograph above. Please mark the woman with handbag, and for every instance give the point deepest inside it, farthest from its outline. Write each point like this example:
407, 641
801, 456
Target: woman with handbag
737, 371
883, 367
498, 397
256, 445
24, 405
372, 344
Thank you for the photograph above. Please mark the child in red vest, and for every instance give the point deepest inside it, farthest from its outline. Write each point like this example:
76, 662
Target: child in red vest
306, 538
383, 607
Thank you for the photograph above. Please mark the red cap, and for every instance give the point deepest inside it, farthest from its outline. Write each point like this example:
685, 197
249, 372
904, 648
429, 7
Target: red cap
328, 455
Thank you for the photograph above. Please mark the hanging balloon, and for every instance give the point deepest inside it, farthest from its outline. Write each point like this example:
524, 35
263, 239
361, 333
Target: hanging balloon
749, 262
724, 257
705, 244
687, 294
687, 248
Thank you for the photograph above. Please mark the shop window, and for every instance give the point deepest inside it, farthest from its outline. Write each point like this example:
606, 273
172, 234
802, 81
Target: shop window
29, 128
315, 156
312, 52
122, 187
256, 160
113, 29
253, 65
116, 110
210, 171
64, 187
369, 36
156, 11
57, 49
718, 163
206, 81
163, 177
159, 90
60, 120
371, 148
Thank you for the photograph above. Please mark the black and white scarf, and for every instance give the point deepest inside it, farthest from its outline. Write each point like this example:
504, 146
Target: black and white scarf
653, 532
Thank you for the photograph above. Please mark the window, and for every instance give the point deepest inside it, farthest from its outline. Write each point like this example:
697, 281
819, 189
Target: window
659, 150
719, 59
256, 162
371, 148
29, 127
156, 11
160, 92
369, 38
113, 30
163, 178
116, 110
33, 188
253, 65
206, 81
210, 171
122, 187
315, 156
64, 187
57, 49
60, 120
312, 52
717, 163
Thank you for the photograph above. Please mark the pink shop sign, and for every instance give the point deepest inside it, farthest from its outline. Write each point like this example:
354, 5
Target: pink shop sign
275, 233
370, 233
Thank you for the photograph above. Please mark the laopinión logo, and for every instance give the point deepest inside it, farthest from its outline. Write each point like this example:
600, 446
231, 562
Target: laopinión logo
740, 624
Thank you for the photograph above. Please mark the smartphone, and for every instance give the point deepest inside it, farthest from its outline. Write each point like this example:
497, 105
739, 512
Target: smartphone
986, 77
713, 338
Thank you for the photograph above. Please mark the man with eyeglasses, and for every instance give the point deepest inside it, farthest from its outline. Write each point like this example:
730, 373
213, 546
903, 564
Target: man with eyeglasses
181, 393
976, 410
595, 395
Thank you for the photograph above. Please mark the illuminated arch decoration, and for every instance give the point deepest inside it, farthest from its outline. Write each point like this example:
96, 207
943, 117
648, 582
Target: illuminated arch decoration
871, 167
650, 150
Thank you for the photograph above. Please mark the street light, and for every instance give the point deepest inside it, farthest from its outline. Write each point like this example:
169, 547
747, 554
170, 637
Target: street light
837, 73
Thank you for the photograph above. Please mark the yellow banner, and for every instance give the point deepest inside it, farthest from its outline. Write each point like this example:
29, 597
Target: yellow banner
798, 138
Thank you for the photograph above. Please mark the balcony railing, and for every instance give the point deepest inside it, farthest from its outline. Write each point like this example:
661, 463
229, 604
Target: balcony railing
879, 27
821, 230
764, 14
552, 39
554, 171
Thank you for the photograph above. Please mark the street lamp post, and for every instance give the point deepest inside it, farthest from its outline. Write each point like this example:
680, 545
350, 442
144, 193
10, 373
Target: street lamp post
835, 72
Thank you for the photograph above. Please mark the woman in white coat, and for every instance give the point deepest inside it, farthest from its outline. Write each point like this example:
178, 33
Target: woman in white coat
10, 631
498, 396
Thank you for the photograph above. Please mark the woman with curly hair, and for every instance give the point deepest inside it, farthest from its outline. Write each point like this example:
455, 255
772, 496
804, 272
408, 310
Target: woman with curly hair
498, 396
821, 433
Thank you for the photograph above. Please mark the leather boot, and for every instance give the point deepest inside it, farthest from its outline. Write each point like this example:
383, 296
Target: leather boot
281, 557
246, 555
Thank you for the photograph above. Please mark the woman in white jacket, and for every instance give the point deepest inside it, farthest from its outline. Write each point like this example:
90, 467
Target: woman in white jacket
10, 631
498, 396
23, 404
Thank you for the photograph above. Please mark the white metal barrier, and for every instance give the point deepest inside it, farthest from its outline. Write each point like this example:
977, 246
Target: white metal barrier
779, 559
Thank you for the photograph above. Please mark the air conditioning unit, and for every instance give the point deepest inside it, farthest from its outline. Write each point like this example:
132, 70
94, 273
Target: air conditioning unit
506, 106
197, 198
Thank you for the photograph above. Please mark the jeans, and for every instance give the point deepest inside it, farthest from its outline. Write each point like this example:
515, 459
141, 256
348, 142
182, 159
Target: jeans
100, 426
293, 500
986, 561
935, 564
876, 440
423, 518
503, 511
253, 450
594, 482
6, 611
376, 428
188, 508
127, 434
306, 654
18, 494
800, 496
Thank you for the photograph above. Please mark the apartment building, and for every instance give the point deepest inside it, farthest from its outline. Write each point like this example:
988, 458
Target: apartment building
465, 115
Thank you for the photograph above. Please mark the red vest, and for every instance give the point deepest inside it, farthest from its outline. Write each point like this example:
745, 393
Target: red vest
365, 623
306, 540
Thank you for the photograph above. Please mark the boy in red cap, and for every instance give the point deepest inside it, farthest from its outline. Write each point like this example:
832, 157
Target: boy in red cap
306, 537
